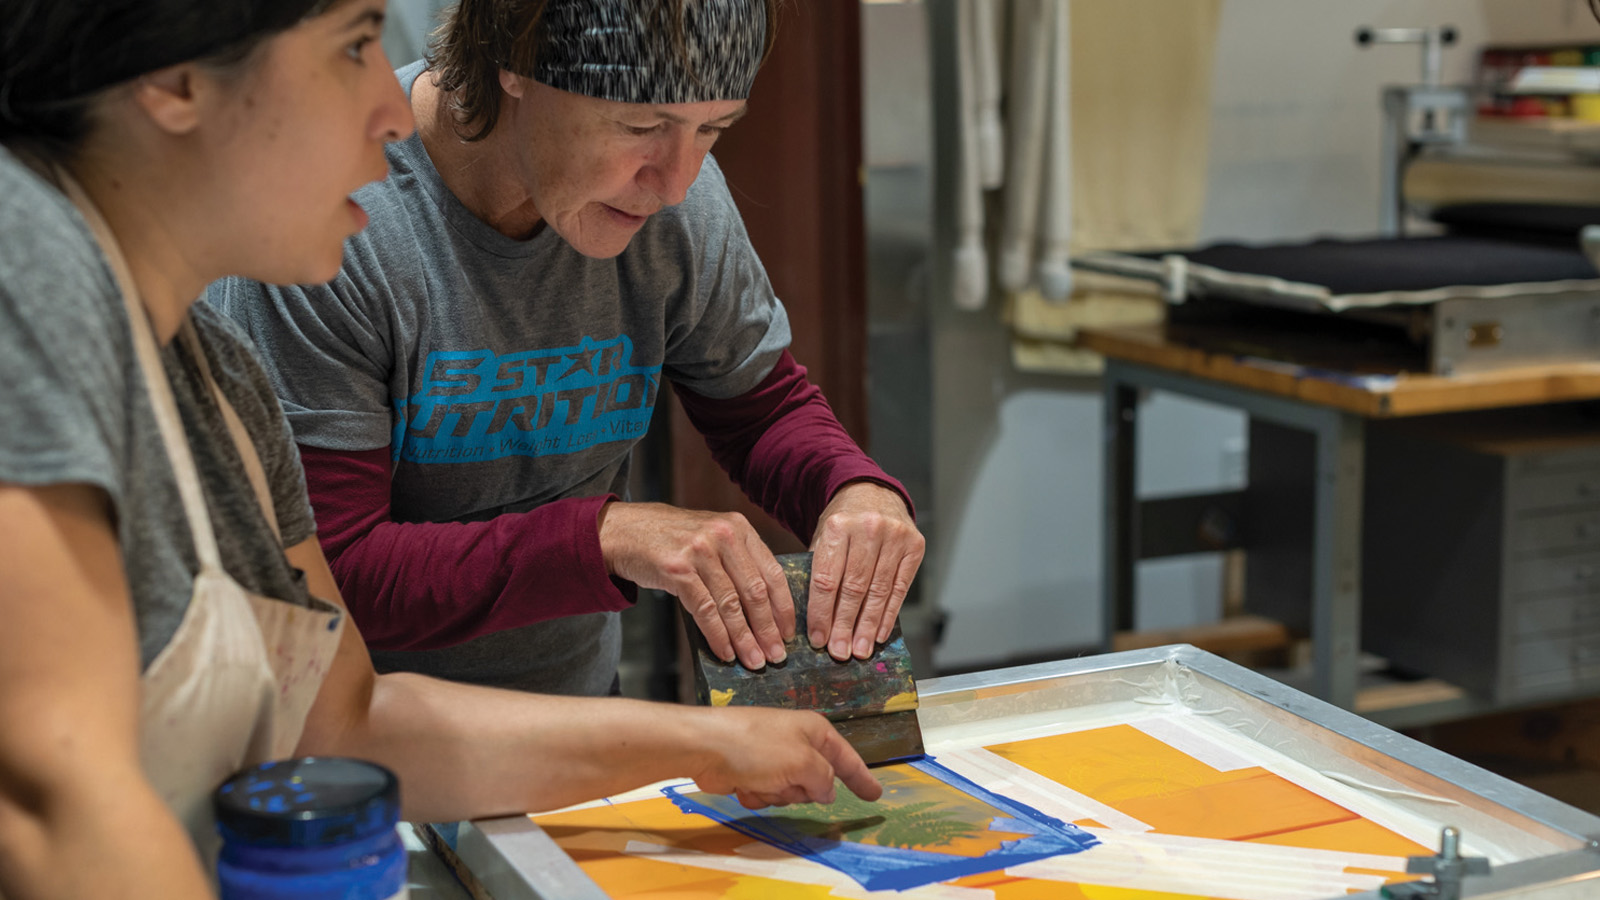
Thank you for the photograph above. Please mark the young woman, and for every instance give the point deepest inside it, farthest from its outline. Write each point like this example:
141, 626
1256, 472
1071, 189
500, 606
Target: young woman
159, 574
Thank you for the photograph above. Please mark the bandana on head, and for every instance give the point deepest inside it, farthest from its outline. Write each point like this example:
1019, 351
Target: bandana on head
609, 49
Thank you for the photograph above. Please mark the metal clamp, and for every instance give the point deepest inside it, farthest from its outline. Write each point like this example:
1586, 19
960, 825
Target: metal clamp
1174, 278
1448, 869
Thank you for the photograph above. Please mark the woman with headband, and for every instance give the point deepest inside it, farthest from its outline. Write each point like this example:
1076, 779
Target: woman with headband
554, 245
168, 616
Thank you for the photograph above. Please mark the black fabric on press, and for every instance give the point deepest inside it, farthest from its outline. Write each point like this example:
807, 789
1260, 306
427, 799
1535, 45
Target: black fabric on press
1555, 223
1397, 264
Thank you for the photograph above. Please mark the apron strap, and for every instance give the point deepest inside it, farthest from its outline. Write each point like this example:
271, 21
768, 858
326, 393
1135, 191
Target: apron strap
161, 400
242, 441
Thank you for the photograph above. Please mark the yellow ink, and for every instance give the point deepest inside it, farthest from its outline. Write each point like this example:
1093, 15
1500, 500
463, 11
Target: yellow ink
901, 702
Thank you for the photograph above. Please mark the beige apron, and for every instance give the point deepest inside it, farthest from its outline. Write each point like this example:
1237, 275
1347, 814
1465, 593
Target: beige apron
233, 686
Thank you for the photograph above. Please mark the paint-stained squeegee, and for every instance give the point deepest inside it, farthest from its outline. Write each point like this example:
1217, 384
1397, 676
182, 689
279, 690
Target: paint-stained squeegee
872, 702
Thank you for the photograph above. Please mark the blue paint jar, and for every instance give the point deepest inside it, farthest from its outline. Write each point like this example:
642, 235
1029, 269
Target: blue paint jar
316, 828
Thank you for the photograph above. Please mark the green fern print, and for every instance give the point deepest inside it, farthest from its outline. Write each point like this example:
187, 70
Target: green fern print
911, 825
920, 825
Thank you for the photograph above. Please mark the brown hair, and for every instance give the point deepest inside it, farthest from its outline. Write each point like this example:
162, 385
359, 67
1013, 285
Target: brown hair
480, 37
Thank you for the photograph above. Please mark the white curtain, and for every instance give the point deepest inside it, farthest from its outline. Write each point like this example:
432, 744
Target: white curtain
1016, 50
1088, 124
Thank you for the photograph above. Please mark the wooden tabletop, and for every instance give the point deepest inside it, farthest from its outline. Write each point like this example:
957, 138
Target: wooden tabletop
1380, 387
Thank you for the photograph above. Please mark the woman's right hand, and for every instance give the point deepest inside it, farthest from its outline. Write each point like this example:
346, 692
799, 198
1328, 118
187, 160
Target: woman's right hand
774, 757
717, 567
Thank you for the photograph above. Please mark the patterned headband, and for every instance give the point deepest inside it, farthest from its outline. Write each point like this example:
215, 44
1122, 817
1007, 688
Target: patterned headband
612, 49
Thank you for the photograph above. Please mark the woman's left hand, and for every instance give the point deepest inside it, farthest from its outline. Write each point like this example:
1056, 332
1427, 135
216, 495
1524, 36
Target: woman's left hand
865, 551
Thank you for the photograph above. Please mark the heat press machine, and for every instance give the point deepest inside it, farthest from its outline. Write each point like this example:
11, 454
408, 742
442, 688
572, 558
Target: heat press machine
1463, 276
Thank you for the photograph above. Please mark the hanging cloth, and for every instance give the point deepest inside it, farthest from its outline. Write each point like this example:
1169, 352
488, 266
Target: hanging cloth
970, 265
1140, 82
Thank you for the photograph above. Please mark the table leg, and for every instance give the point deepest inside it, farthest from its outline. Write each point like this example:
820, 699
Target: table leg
1336, 558
1336, 529
1120, 434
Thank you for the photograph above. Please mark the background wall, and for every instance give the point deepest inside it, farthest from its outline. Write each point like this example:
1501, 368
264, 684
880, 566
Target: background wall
1016, 459
406, 27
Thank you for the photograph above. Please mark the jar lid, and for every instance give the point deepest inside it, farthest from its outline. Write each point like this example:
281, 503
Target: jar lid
311, 801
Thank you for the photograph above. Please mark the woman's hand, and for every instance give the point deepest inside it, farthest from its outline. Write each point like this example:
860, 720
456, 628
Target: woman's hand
717, 567
774, 757
866, 551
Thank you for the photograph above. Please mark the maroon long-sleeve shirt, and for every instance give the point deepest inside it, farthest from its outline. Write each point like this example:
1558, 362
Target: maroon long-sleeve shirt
426, 585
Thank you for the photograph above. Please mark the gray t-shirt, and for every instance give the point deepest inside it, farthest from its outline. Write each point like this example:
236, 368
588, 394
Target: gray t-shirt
506, 374
77, 412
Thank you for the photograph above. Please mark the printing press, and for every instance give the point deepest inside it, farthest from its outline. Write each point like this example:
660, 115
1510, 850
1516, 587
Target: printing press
1478, 262
1423, 478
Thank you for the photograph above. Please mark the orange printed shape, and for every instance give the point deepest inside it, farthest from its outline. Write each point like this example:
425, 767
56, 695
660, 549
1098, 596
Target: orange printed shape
1353, 836
1105, 892
1263, 804
1010, 887
1034, 889
656, 820
1113, 764
768, 889
597, 840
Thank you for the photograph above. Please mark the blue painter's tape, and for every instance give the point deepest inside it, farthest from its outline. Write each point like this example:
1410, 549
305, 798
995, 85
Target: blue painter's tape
897, 868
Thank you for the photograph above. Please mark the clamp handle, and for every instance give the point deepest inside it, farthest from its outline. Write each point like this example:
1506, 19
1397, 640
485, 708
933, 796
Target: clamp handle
1367, 36
1433, 41
1449, 867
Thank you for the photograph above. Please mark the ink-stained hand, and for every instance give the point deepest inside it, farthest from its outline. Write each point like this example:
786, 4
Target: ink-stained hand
717, 567
775, 757
865, 551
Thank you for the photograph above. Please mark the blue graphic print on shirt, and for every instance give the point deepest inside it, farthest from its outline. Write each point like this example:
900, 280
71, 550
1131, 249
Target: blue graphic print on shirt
473, 405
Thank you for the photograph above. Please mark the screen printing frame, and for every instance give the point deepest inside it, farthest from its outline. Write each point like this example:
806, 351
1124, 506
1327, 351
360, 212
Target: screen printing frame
513, 859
